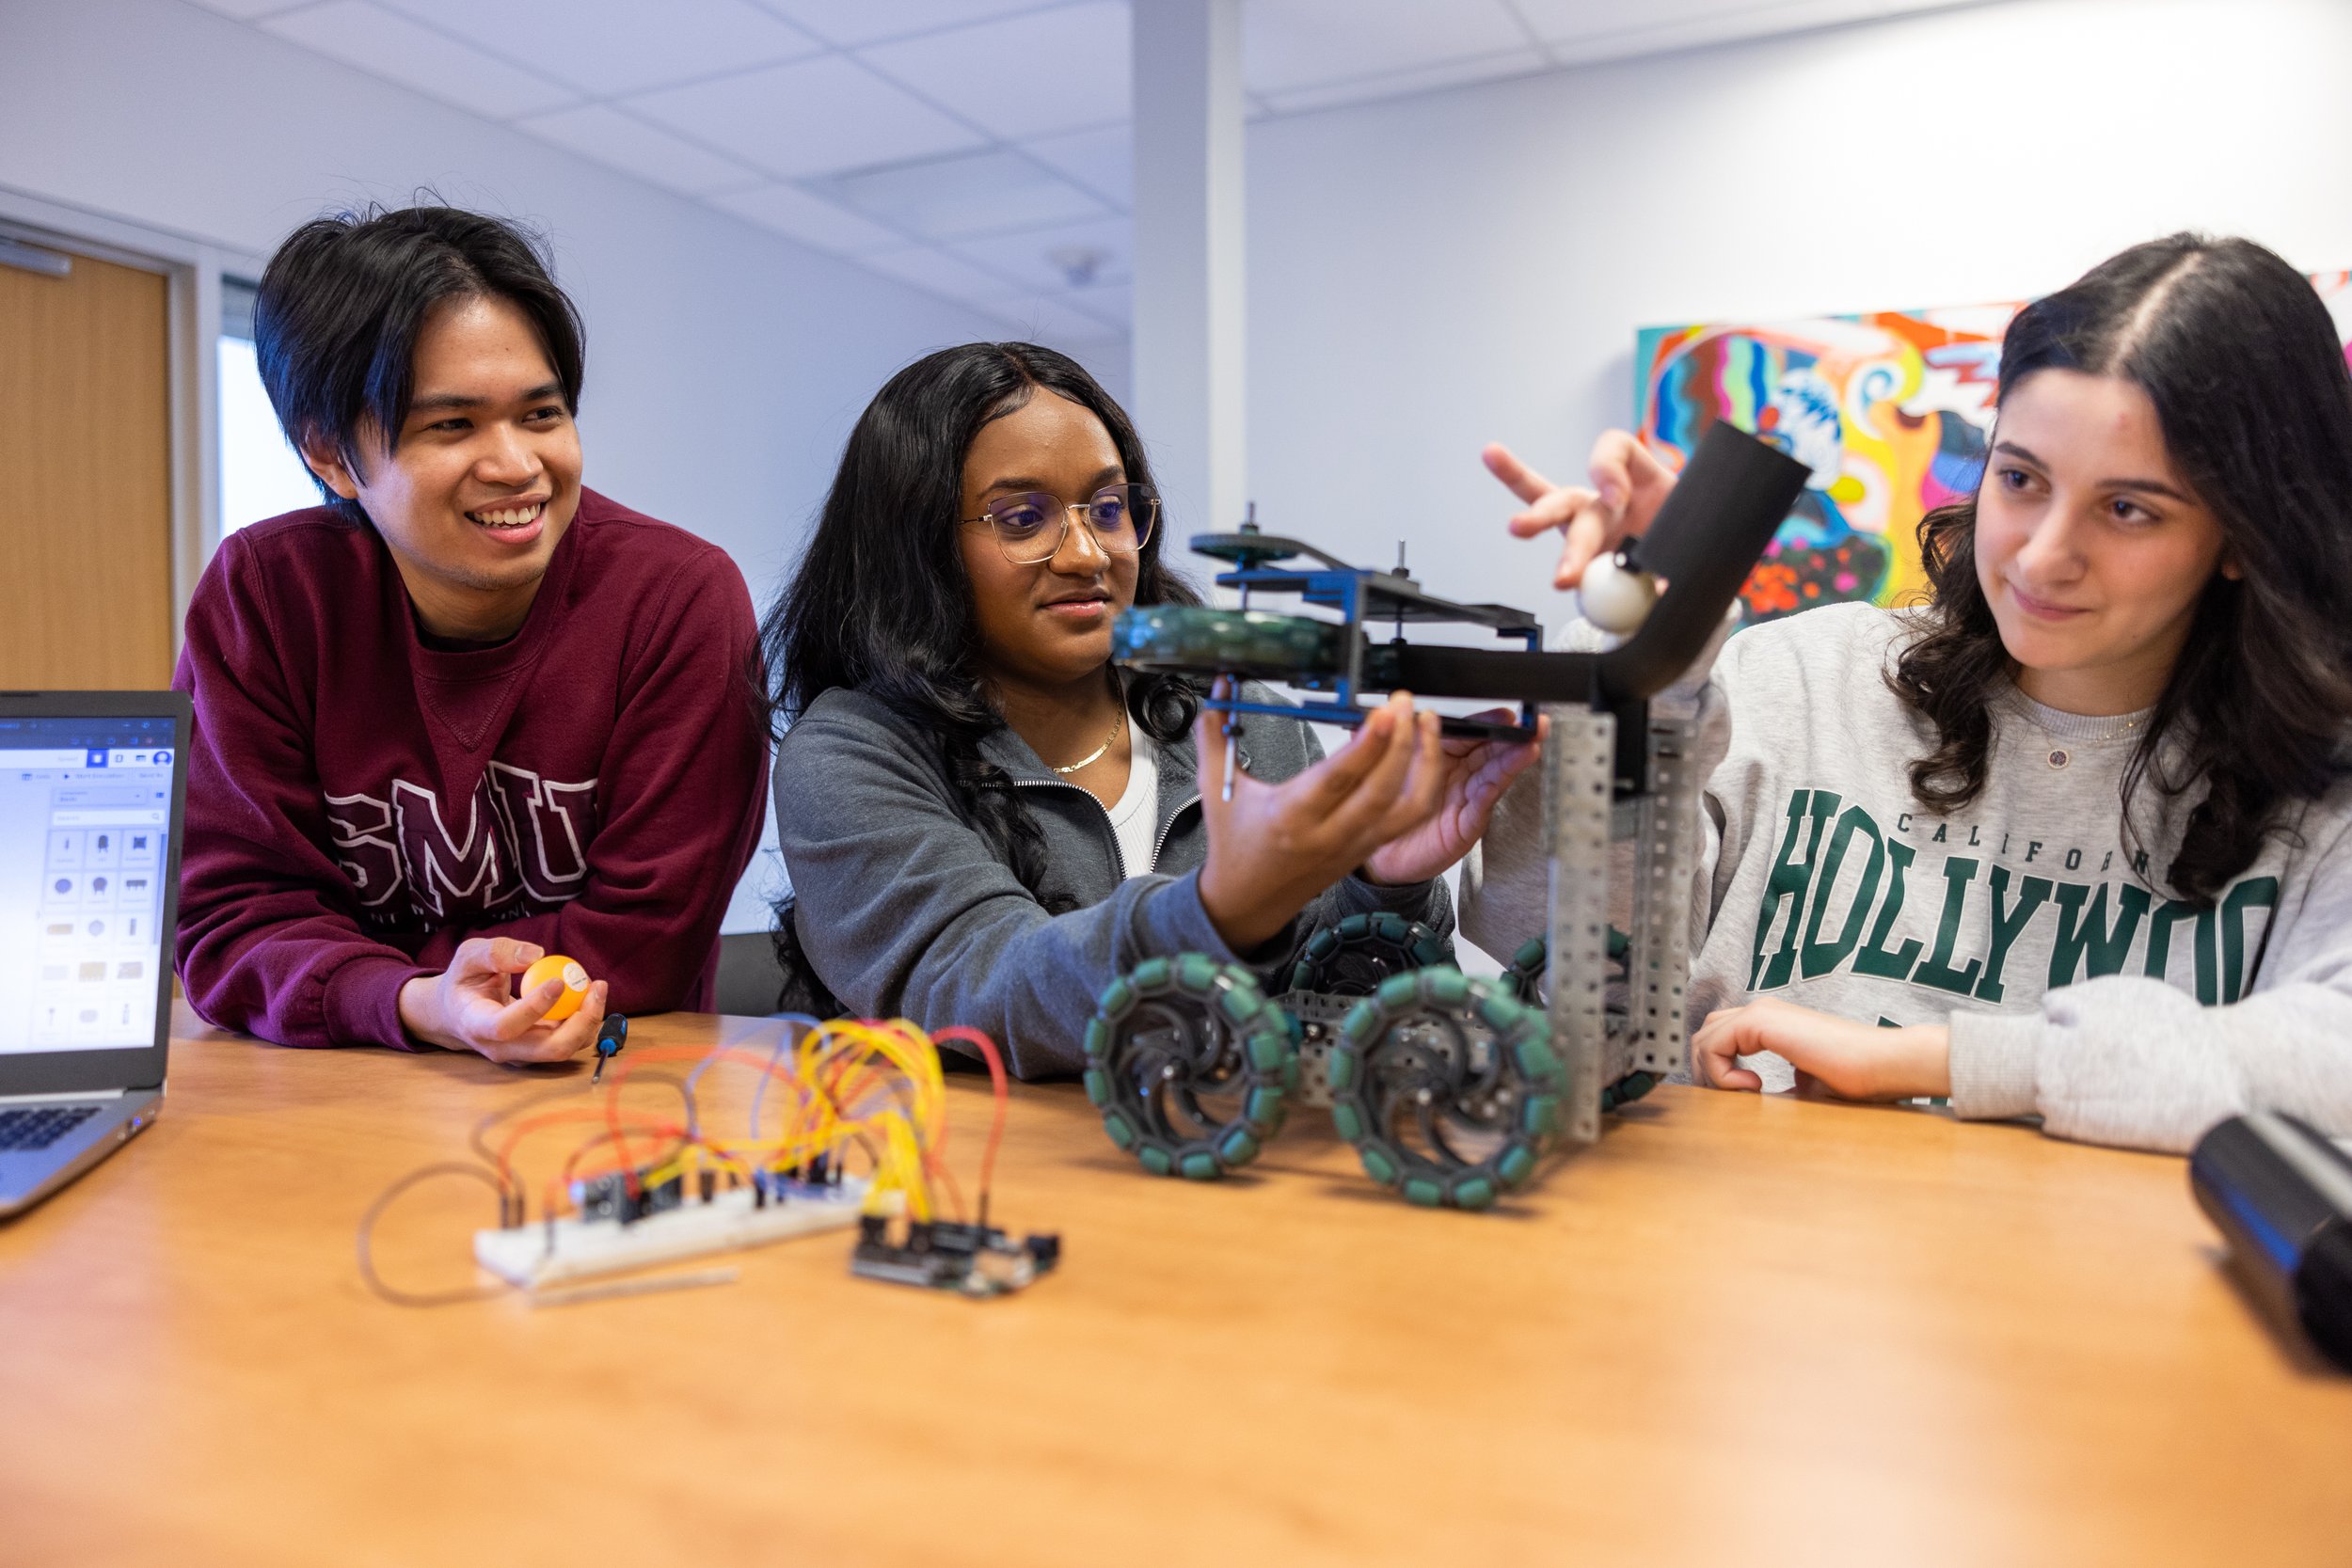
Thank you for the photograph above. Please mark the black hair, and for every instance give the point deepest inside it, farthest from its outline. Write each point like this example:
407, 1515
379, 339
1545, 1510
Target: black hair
880, 602
2242, 363
342, 303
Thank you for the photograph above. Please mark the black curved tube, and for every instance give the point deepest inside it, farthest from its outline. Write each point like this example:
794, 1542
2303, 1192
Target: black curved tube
1732, 494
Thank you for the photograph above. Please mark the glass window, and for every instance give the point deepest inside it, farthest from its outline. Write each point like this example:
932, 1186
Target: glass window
260, 474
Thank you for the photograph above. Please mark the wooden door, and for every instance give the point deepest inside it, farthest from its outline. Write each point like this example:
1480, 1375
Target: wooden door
85, 479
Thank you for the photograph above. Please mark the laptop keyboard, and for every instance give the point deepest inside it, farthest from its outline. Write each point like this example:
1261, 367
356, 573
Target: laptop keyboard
23, 1132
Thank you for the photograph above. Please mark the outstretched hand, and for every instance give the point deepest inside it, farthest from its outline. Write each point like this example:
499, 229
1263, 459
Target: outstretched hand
1628, 485
1477, 773
1273, 846
467, 1006
1852, 1061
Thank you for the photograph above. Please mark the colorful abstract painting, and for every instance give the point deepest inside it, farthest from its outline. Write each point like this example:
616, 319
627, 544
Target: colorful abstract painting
1891, 411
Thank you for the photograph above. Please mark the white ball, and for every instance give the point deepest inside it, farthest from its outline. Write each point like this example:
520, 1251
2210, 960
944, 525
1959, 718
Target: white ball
1615, 597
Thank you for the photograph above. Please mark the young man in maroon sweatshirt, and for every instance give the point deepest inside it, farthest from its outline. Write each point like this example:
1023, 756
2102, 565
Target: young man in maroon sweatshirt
468, 712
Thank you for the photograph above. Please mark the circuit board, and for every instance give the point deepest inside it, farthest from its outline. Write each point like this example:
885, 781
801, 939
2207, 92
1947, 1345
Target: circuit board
670, 1227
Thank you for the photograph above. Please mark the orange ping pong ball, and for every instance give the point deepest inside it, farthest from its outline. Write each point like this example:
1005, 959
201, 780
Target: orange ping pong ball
555, 966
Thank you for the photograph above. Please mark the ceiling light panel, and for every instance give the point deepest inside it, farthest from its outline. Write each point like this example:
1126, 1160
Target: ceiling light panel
620, 141
812, 117
400, 49
606, 47
1297, 44
1030, 75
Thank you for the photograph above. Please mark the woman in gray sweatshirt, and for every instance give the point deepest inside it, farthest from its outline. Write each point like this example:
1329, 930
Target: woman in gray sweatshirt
2074, 838
985, 822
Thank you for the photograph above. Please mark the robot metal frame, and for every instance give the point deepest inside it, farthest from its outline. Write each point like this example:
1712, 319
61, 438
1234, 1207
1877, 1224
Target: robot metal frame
1450, 1088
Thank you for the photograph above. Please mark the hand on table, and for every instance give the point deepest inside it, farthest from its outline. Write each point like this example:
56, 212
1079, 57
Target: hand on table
1273, 847
1628, 485
1476, 774
467, 1006
1852, 1061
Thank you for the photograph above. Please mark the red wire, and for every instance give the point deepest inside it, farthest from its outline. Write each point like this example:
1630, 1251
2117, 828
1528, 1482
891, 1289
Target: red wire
1003, 1093
568, 1112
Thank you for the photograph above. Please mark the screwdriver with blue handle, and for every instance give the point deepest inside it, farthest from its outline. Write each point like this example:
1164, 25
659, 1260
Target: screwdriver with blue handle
609, 1038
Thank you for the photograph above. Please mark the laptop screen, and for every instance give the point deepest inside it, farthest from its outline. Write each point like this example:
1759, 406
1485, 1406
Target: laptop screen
85, 805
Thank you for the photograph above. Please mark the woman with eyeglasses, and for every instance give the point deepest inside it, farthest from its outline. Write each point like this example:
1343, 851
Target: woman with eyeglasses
985, 822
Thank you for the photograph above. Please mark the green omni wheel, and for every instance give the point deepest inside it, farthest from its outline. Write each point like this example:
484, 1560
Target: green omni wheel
1355, 957
1447, 1086
1191, 1065
1525, 979
1204, 638
1526, 974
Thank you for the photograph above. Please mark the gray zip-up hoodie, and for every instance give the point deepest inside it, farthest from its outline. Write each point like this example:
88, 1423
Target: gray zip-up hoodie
905, 910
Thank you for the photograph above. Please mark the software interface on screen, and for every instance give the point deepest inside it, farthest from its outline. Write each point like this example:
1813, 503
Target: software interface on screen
84, 807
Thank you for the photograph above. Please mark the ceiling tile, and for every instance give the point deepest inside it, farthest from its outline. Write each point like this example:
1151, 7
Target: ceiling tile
398, 49
963, 195
1103, 160
600, 132
811, 117
1288, 44
605, 47
938, 273
1043, 260
1049, 318
1452, 73
1112, 302
246, 11
793, 213
1025, 76
855, 21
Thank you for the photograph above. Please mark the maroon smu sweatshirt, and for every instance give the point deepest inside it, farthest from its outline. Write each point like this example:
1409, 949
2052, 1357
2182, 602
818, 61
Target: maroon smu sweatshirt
359, 802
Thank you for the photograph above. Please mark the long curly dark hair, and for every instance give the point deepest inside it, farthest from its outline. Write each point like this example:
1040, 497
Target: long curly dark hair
2238, 354
880, 602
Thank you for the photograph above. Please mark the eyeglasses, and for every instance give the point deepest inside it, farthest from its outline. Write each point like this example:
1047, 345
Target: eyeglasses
1031, 526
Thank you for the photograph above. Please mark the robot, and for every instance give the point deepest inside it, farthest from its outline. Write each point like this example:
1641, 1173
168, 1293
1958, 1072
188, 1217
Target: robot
1452, 1090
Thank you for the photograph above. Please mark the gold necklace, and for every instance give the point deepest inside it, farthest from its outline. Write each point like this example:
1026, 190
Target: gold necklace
1096, 755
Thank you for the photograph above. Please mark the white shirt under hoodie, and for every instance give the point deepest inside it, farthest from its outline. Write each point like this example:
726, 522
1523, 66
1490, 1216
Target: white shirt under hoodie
2073, 985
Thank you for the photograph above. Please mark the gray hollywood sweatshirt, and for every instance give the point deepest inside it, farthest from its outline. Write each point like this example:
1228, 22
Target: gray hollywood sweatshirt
2029, 921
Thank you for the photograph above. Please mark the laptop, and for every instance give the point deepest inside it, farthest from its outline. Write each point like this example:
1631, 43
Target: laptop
92, 788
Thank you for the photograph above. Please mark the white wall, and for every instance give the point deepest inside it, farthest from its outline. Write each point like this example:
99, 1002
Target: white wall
726, 364
1431, 273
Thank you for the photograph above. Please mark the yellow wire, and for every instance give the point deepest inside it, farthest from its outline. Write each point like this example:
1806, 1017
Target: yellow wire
901, 1114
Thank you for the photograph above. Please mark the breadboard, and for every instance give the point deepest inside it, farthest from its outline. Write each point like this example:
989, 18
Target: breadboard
572, 1248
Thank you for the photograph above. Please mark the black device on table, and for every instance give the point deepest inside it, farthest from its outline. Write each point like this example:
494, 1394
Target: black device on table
2280, 1191
93, 785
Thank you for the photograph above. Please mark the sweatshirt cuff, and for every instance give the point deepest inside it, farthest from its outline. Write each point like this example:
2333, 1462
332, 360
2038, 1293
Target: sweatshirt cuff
1994, 1059
362, 1002
1175, 920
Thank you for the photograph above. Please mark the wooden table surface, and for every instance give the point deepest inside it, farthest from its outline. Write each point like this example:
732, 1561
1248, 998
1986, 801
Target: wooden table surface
1741, 1331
